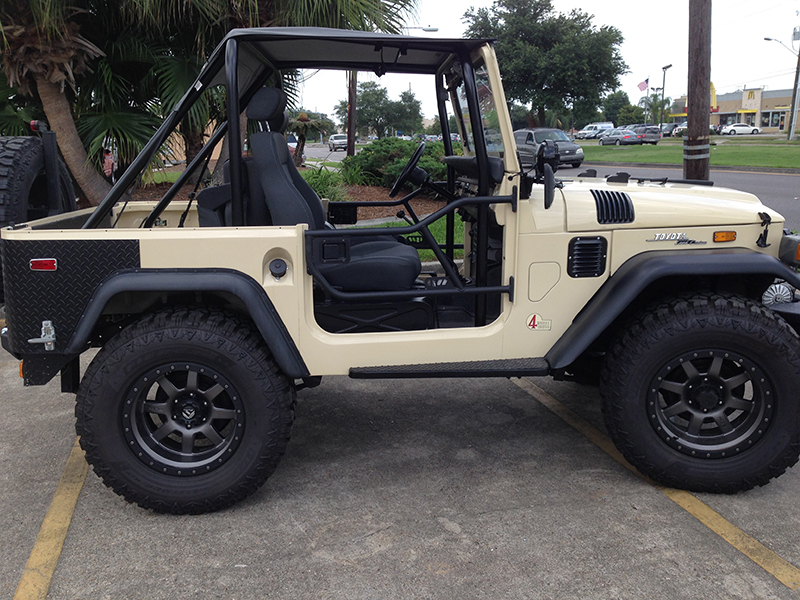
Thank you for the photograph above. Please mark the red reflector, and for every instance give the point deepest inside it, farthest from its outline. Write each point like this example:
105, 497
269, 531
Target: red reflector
44, 264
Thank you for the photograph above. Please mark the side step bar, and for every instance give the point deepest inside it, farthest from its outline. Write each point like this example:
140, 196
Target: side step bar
512, 367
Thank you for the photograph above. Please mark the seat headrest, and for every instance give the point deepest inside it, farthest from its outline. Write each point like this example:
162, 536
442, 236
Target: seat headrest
267, 104
279, 123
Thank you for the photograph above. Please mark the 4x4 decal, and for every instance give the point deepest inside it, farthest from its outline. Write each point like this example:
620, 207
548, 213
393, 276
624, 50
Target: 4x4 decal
537, 323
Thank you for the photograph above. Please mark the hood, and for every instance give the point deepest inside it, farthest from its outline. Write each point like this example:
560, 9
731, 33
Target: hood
593, 205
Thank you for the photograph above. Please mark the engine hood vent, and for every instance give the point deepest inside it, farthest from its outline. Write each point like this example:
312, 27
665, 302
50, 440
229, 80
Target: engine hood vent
613, 207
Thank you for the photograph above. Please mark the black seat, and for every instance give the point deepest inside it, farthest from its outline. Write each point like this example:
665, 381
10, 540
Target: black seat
379, 264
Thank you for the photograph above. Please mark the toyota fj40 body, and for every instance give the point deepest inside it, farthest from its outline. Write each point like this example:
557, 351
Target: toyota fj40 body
211, 313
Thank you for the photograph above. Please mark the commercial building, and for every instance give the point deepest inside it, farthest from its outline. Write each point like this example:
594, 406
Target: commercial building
767, 109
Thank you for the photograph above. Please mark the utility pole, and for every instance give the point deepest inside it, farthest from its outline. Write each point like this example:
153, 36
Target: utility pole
793, 119
696, 148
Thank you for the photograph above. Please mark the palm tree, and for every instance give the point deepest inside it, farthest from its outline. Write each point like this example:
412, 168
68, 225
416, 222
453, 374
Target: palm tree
44, 46
50, 51
304, 127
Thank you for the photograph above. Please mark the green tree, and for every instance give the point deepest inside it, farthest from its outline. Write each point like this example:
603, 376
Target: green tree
377, 114
630, 114
520, 116
613, 103
652, 106
549, 59
406, 114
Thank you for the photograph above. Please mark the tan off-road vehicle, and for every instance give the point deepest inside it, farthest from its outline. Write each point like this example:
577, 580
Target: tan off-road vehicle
211, 312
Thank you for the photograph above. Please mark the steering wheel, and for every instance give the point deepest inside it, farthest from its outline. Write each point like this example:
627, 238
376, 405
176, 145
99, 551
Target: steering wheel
408, 170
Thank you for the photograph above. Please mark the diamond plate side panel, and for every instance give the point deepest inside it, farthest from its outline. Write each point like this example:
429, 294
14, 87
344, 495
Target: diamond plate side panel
58, 296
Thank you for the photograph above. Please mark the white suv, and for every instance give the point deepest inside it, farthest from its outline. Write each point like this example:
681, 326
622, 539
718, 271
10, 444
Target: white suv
336, 141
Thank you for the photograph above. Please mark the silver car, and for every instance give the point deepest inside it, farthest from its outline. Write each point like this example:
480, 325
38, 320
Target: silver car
338, 141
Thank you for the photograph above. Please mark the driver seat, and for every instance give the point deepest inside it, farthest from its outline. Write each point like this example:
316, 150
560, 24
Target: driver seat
377, 264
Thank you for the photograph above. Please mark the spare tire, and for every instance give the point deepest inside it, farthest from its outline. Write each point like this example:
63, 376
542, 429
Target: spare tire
23, 185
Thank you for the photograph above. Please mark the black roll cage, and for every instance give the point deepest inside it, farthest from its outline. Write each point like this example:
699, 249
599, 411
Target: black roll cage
226, 57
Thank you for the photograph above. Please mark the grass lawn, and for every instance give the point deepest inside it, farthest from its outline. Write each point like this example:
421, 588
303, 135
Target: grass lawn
744, 153
160, 177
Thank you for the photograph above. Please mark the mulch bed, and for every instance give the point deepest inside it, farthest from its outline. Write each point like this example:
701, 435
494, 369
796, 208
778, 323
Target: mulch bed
367, 193
357, 193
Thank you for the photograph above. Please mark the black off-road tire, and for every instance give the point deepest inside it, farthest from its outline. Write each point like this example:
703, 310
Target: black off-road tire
700, 393
23, 184
185, 411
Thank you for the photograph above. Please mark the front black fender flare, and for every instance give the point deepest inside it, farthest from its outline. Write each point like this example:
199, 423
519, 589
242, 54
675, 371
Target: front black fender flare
640, 271
244, 287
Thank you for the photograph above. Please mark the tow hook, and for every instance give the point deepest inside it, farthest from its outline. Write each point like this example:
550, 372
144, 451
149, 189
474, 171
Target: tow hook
48, 336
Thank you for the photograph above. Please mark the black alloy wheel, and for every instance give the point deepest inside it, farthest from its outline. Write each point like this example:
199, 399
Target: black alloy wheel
710, 403
183, 419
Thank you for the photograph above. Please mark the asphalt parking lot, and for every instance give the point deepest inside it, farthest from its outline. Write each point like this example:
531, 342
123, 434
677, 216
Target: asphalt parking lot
399, 489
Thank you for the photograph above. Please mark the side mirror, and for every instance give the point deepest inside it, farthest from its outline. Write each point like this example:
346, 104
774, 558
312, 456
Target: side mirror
549, 186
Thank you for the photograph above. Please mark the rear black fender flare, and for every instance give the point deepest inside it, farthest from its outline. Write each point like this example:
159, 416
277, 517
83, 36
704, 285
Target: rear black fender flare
642, 270
244, 287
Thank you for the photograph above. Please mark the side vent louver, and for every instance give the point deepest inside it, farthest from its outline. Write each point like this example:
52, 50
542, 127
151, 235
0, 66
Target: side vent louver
587, 256
613, 207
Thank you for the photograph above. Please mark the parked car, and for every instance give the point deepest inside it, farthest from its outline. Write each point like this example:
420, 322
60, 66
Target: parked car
621, 137
667, 129
601, 134
651, 134
739, 129
592, 129
337, 141
528, 140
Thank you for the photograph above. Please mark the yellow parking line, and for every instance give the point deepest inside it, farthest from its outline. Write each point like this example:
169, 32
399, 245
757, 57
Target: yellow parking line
780, 569
38, 573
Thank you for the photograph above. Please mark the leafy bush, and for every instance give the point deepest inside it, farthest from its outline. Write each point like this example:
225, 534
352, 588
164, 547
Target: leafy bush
326, 183
353, 174
385, 159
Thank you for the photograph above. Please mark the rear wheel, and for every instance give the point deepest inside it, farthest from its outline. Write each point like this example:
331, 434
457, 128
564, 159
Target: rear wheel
185, 412
23, 184
700, 393
617, 142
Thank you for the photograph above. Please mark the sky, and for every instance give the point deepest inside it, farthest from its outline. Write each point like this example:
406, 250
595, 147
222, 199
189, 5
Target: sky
655, 33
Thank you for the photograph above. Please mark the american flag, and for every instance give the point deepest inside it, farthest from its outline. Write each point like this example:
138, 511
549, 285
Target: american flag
644, 84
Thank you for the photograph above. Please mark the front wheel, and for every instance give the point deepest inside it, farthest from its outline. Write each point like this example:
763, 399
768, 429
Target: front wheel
184, 412
700, 393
